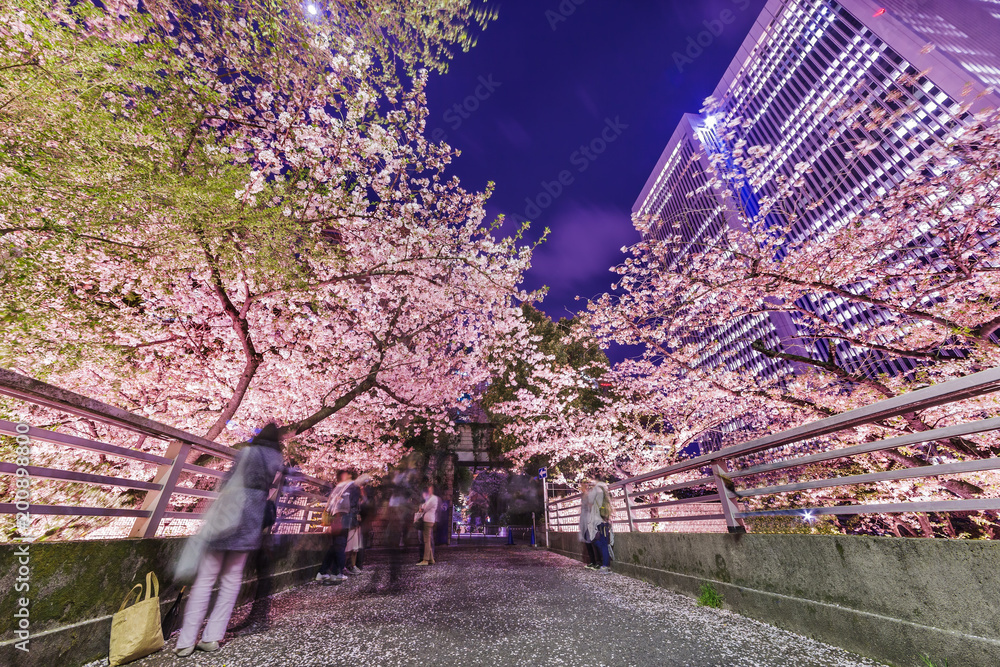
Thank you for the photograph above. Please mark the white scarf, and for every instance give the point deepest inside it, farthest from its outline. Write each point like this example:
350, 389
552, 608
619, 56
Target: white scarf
337, 494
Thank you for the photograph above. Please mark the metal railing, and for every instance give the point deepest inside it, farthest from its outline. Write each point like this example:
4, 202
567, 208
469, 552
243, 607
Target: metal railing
714, 488
492, 535
174, 475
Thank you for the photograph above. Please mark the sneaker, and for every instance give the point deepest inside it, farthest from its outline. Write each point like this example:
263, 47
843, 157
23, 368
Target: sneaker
348, 571
321, 577
423, 562
355, 570
604, 570
208, 647
184, 652
591, 566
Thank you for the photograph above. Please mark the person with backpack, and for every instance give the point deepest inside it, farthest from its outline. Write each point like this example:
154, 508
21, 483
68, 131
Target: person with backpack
595, 523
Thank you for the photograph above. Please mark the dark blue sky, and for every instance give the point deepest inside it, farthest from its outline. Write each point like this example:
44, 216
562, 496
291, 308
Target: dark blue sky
545, 82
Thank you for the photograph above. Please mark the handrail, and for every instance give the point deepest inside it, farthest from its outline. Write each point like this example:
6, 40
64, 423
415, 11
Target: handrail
156, 504
879, 445
34, 391
722, 483
37, 472
42, 435
977, 384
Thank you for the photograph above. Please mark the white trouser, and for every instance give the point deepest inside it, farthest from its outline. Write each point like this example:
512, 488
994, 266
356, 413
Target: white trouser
230, 565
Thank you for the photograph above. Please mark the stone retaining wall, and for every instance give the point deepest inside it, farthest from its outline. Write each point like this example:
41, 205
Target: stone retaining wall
891, 599
76, 586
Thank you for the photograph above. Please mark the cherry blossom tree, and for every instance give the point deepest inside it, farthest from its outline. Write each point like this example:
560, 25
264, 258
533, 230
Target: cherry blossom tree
544, 402
560, 403
917, 264
217, 214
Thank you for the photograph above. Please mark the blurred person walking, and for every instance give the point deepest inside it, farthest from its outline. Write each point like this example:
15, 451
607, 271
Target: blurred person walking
355, 538
400, 509
369, 511
273, 547
427, 514
233, 528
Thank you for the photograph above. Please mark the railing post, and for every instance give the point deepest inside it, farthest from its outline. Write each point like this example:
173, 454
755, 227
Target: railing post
307, 517
158, 501
628, 507
545, 502
280, 479
727, 495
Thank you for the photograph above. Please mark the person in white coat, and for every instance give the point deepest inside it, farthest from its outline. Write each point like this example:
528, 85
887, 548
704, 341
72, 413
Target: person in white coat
595, 528
428, 515
586, 533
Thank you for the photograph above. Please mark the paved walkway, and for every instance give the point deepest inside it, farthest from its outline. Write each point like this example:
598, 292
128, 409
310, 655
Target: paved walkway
505, 606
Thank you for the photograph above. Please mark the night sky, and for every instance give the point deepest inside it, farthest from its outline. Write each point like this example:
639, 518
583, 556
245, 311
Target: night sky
550, 77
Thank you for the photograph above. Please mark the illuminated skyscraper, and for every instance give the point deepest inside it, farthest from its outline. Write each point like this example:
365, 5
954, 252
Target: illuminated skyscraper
800, 55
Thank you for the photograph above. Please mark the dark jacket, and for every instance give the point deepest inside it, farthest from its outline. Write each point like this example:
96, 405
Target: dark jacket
262, 464
367, 511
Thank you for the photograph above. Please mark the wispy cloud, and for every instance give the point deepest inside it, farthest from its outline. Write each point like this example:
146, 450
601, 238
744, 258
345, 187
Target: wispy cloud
585, 243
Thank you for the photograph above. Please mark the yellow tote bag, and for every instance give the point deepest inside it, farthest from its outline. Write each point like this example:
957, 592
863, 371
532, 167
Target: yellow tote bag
135, 629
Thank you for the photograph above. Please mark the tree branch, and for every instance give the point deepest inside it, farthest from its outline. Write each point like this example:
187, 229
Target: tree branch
242, 331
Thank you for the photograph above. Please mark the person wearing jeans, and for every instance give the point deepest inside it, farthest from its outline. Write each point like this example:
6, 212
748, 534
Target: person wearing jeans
594, 528
343, 507
335, 559
601, 545
428, 512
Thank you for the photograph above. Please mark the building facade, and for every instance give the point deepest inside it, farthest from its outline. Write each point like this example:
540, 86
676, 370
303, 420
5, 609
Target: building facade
801, 56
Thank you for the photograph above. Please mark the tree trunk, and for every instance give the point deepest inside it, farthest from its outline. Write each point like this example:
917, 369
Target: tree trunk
925, 524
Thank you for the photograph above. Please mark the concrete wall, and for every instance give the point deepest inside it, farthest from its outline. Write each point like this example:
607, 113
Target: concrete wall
887, 598
75, 587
